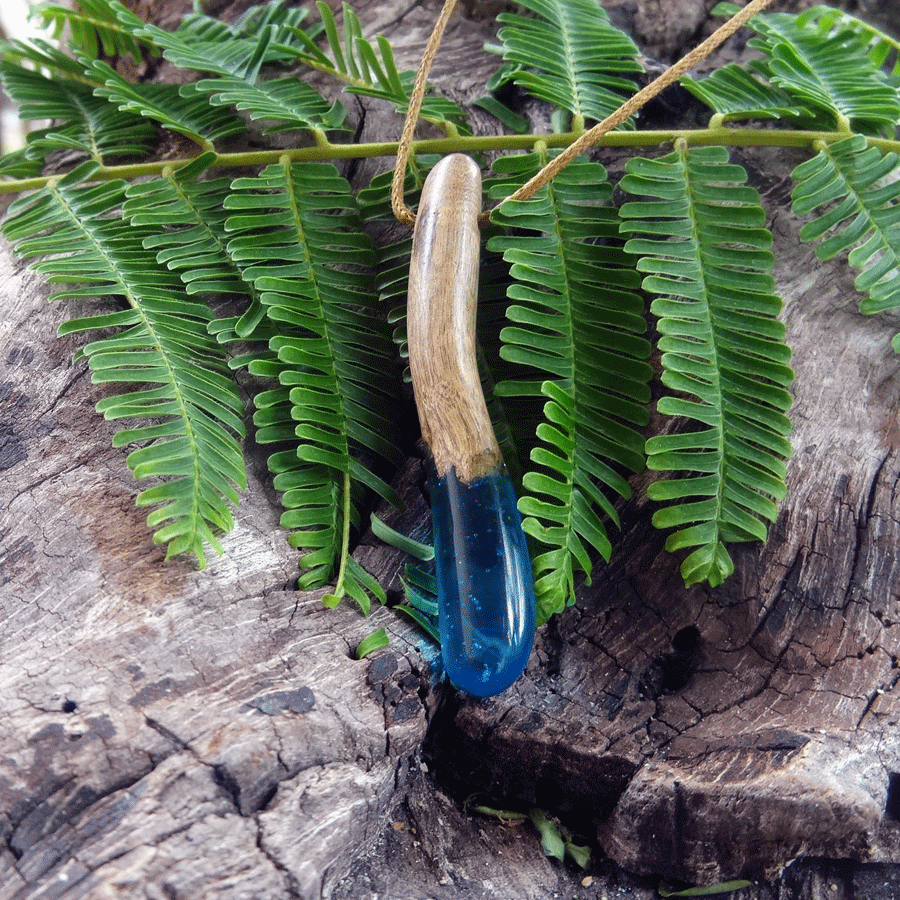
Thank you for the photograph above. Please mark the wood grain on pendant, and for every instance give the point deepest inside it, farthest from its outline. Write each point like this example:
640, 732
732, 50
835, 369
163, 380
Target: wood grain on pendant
441, 311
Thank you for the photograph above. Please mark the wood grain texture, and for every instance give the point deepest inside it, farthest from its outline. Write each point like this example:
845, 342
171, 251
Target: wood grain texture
441, 310
167, 732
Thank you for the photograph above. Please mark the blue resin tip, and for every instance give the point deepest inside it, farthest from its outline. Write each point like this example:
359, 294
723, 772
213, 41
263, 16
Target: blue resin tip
486, 603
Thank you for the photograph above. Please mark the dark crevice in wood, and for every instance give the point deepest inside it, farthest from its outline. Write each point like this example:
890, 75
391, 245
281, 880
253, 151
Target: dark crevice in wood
892, 805
582, 790
294, 892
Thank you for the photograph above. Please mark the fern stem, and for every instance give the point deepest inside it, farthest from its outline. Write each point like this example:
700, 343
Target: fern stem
697, 137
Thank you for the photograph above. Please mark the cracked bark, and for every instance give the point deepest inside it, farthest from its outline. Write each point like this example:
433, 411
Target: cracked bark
172, 733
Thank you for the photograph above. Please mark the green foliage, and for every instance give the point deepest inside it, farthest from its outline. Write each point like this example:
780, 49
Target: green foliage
375, 641
823, 66
306, 305
570, 55
882, 50
556, 839
369, 70
236, 64
84, 122
737, 94
575, 318
95, 28
853, 191
187, 113
711, 890
175, 372
833, 77
295, 232
701, 239
189, 235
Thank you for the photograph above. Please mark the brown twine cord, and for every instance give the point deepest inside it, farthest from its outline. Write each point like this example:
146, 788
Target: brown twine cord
555, 166
398, 204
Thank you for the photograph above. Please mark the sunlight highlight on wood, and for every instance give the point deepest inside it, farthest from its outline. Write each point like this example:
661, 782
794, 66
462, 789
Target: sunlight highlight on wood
443, 296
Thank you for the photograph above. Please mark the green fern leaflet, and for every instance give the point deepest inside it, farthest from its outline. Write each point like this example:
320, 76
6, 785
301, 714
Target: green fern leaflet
570, 55
706, 252
83, 122
370, 70
297, 237
882, 49
832, 76
97, 28
852, 190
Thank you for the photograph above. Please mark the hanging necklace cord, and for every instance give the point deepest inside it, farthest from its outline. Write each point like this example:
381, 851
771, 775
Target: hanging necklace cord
398, 204
590, 137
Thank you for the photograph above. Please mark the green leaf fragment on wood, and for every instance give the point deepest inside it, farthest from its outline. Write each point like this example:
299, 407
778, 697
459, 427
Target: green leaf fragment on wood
713, 890
392, 537
375, 641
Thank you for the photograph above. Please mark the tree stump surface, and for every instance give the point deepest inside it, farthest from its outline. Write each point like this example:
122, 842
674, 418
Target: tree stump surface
168, 732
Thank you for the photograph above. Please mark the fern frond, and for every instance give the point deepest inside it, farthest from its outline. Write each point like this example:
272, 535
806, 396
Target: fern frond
40, 97
97, 27
818, 70
575, 339
46, 59
287, 102
734, 93
701, 239
882, 49
853, 191
176, 373
193, 115
83, 121
370, 70
571, 56
274, 17
297, 236
217, 50
17, 164
834, 76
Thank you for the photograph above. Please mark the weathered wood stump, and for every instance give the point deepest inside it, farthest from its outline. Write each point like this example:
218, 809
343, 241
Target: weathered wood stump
173, 733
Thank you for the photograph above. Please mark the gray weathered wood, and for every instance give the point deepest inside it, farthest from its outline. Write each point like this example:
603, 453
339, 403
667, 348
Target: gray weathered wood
151, 711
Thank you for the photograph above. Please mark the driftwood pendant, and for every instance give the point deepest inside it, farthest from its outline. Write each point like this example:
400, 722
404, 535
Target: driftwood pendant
486, 606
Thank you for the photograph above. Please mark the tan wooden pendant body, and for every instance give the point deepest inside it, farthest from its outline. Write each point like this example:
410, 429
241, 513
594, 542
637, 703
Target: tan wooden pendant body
441, 311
